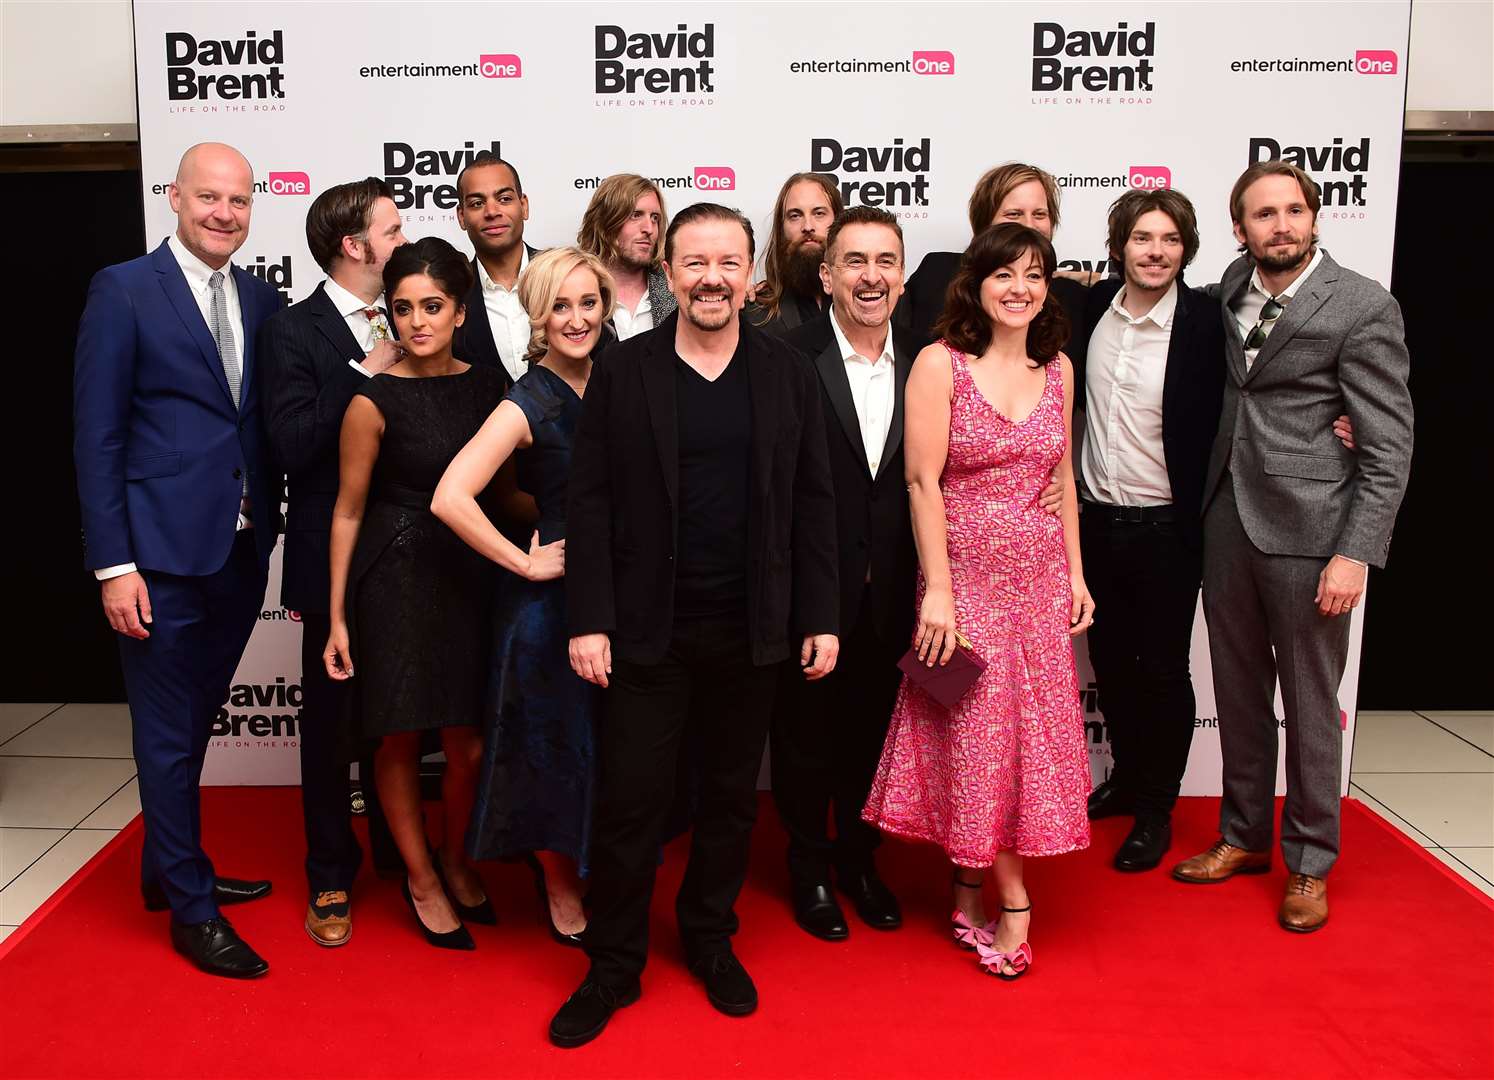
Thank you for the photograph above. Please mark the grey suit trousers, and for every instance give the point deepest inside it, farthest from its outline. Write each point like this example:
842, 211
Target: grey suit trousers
1256, 603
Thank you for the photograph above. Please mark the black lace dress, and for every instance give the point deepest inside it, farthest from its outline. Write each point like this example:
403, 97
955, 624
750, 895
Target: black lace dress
418, 598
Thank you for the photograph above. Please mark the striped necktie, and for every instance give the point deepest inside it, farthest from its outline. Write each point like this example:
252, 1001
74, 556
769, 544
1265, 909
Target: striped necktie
222, 331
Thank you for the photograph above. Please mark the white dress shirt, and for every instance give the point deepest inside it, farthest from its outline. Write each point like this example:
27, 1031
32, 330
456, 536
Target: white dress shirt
1123, 463
1248, 307
508, 318
632, 323
351, 308
871, 391
199, 284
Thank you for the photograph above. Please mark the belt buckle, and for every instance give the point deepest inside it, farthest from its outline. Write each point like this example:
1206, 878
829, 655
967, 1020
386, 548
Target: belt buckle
1131, 515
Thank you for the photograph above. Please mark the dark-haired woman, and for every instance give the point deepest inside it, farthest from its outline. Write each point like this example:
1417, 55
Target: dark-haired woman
1004, 774
409, 600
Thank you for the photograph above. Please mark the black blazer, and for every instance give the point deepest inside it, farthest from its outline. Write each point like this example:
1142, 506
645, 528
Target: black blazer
923, 298
1192, 393
473, 341
623, 515
305, 386
794, 311
873, 527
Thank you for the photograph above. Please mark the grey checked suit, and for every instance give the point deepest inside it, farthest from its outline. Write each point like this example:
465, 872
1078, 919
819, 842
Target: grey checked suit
1282, 496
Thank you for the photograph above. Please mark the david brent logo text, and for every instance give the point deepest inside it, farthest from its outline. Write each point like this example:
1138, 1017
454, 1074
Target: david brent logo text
1364, 62
701, 178
647, 64
231, 69
1062, 64
278, 695
1340, 169
887, 176
923, 62
488, 66
277, 275
403, 163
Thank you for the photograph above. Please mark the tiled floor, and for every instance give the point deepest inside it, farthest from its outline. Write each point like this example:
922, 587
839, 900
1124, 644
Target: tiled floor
67, 785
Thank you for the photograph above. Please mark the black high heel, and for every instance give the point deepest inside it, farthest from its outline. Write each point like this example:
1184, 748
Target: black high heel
481, 912
460, 938
542, 890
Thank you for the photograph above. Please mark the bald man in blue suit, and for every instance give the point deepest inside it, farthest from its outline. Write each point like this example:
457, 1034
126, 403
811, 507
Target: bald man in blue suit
180, 508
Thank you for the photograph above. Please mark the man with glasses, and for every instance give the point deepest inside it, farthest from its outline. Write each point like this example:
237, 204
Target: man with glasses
1292, 522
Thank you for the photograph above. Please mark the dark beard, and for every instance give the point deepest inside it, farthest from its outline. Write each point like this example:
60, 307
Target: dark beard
1278, 264
801, 272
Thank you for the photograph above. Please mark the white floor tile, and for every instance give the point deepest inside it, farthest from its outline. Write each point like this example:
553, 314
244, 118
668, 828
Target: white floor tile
1476, 727
1376, 807
78, 730
57, 793
1474, 865
19, 848
1401, 742
49, 873
1454, 809
17, 718
118, 812
6, 931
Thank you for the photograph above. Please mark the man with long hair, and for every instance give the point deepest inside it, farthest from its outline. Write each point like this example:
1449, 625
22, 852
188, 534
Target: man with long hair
624, 226
790, 293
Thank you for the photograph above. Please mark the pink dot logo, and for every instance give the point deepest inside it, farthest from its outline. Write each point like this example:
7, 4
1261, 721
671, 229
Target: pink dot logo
289, 183
933, 62
715, 178
1149, 177
1376, 62
500, 66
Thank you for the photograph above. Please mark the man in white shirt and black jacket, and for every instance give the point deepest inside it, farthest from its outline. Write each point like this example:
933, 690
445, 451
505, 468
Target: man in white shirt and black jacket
313, 358
1151, 380
701, 555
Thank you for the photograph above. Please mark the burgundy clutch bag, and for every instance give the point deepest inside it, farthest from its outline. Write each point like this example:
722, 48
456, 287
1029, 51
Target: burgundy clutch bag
949, 683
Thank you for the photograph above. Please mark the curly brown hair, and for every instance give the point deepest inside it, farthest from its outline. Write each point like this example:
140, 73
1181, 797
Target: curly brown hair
965, 323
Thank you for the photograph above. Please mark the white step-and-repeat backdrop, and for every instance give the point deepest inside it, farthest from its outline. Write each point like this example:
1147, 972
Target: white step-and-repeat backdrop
906, 104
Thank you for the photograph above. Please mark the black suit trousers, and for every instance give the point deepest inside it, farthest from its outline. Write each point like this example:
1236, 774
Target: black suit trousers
706, 689
332, 849
1145, 581
827, 740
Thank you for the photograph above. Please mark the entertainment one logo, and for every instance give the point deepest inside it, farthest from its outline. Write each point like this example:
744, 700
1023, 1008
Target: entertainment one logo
1340, 169
1136, 177
277, 712
1365, 62
653, 64
488, 66
277, 275
922, 62
407, 169
895, 177
708, 178
1062, 59
230, 69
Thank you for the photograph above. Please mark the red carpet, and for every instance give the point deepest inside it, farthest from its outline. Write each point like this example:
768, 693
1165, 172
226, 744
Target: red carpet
1134, 976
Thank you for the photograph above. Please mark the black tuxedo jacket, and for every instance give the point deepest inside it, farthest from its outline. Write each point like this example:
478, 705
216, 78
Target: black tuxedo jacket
1192, 393
923, 299
874, 531
623, 514
473, 341
794, 311
305, 387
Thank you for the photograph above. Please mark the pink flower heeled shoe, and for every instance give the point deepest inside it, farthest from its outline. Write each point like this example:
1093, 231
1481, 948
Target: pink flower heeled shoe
966, 934
993, 959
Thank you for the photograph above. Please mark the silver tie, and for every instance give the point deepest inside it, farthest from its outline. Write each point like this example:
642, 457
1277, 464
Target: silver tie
222, 331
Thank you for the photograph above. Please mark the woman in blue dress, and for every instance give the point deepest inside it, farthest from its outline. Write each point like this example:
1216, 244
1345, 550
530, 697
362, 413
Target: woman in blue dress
538, 764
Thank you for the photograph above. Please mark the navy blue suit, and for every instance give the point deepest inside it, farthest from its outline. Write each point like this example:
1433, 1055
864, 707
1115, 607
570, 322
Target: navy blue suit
163, 457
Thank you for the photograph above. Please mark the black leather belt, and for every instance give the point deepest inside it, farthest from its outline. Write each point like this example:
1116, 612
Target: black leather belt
1129, 515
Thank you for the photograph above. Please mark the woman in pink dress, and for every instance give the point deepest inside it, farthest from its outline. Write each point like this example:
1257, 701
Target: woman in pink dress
1004, 774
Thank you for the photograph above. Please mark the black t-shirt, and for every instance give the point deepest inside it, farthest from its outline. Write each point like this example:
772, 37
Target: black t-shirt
715, 433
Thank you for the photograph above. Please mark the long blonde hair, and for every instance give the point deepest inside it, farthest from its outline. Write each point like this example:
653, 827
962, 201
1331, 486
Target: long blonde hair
540, 284
609, 210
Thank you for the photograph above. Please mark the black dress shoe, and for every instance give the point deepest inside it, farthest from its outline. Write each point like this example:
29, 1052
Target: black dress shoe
874, 901
817, 912
1144, 847
460, 938
216, 948
586, 1012
226, 890
1108, 800
727, 984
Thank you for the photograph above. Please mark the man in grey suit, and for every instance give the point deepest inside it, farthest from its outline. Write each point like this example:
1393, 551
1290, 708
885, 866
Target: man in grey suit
1292, 522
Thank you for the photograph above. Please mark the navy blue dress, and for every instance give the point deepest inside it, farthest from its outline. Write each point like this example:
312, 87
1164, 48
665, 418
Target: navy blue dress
539, 762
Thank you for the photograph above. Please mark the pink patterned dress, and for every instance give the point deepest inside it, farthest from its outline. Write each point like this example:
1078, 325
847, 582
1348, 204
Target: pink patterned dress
1007, 768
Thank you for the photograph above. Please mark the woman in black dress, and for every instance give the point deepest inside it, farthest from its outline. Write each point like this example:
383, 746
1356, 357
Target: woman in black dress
538, 767
409, 600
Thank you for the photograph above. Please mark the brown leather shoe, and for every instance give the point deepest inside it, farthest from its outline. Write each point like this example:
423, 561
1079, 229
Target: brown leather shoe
329, 918
1304, 908
1220, 863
